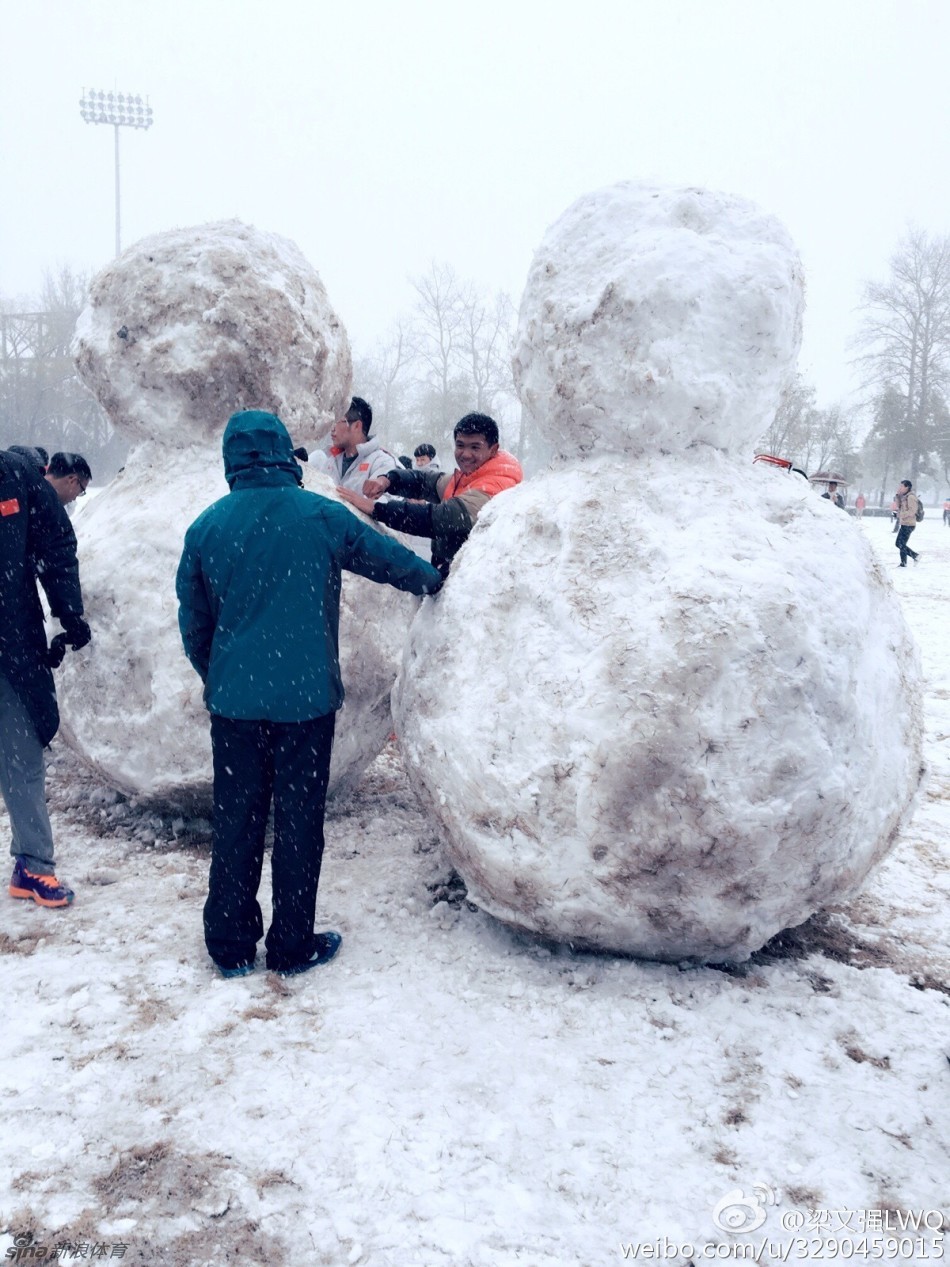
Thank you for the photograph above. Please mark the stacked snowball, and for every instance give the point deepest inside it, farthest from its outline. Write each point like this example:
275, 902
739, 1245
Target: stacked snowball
660, 739
654, 319
181, 331
189, 326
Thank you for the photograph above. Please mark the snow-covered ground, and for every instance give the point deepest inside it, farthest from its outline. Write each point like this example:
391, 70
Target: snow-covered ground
448, 1092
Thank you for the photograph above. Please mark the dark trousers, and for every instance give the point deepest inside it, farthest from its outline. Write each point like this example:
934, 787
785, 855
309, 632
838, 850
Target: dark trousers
901, 542
255, 762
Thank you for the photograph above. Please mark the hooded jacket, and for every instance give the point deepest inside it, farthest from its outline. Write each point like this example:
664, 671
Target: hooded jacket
372, 460
452, 502
37, 542
259, 582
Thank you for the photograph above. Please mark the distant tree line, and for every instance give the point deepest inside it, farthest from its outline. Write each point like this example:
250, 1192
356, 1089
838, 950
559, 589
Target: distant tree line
449, 354
810, 438
42, 399
903, 352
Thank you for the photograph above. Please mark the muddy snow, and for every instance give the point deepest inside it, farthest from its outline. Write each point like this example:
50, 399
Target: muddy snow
448, 1091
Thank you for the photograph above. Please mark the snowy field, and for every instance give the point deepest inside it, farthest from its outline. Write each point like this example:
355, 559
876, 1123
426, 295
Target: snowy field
447, 1092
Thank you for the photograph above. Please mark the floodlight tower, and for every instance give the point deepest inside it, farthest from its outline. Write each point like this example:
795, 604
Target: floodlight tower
122, 110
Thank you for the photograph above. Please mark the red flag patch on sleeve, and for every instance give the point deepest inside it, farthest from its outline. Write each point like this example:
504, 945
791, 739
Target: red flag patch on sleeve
10, 507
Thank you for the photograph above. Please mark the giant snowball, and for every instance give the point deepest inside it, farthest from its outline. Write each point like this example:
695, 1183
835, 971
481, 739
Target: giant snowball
181, 331
191, 325
131, 703
654, 318
675, 692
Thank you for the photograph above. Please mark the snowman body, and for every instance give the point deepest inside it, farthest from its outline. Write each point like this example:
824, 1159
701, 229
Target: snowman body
182, 330
659, 743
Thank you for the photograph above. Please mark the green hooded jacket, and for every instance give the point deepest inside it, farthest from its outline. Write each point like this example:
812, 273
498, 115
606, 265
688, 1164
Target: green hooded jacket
259, 582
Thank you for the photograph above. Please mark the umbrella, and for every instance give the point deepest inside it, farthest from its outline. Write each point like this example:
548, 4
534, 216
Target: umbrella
827, 477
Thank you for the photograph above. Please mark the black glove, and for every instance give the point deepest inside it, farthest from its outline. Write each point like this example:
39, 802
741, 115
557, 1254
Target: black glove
76, 630
56, 652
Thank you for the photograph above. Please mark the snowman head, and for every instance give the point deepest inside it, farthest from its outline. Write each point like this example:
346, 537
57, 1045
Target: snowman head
188, 326
658, 318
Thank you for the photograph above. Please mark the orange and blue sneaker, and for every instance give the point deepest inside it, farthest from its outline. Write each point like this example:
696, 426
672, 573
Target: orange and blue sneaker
45, 890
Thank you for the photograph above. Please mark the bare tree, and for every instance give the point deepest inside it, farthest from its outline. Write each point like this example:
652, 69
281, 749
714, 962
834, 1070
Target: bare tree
438, 329
462, 345
942, 442
383, 379
487, 330
788, 436
905, 334
833, 443
42, 399
811, 438
889, 448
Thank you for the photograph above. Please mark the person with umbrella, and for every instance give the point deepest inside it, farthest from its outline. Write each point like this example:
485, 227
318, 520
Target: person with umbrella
832, 492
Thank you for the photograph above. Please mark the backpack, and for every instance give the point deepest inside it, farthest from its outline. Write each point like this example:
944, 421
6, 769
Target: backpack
920, 510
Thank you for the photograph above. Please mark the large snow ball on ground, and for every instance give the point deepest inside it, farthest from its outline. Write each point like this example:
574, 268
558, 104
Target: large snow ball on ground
673, 734
189, 326
131, 703
653, 318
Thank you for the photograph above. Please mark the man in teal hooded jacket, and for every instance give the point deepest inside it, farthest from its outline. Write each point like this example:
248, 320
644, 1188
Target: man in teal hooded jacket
259, 594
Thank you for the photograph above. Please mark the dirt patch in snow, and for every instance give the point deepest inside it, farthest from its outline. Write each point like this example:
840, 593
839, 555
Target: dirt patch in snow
831, 935
157, 1187
17, 945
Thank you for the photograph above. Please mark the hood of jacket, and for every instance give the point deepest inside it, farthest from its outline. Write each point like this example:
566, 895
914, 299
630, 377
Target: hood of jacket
257, 449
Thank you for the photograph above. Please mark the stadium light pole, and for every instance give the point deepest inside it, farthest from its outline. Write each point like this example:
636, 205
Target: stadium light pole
122, 110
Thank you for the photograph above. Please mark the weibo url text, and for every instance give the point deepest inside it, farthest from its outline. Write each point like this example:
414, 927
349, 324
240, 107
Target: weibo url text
918, 1249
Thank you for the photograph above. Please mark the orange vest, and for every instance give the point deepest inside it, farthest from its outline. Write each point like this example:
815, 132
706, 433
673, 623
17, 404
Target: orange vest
492, 477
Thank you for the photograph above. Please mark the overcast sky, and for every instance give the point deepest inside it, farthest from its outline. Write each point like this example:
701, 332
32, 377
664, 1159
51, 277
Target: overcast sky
382, 136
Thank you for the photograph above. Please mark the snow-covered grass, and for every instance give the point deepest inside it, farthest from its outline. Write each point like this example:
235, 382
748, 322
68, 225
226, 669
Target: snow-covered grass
449, 1092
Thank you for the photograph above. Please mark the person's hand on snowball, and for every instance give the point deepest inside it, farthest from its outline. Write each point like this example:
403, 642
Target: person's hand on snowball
365, 504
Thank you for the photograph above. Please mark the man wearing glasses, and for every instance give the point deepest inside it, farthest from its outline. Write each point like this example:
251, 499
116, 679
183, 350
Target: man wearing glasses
354, 456
70, 475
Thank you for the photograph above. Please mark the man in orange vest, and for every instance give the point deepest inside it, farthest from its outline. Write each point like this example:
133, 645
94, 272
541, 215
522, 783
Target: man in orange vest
447, 505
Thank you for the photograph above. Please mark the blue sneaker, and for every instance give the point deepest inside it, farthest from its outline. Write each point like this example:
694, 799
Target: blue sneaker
242, 970
45, 890
325, 946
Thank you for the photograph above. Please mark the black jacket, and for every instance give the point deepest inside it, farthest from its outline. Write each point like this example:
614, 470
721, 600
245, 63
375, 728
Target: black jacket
450, 502
446, 523
36, 542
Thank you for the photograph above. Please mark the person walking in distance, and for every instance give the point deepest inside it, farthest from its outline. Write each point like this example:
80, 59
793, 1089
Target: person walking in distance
907, 521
